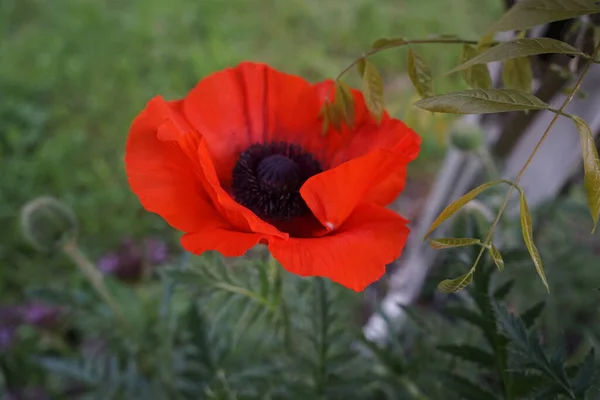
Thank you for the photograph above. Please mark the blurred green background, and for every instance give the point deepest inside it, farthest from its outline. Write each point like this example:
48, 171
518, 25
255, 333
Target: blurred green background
74, 73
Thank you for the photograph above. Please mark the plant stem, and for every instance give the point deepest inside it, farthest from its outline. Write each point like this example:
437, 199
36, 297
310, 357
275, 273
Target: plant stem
92, 274
559, 112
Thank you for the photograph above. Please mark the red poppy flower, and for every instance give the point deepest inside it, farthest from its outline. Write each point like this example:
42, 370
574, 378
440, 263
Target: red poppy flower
241, 160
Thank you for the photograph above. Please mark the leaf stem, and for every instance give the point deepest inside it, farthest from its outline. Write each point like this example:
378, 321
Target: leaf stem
92, 274
515, 183
404, 43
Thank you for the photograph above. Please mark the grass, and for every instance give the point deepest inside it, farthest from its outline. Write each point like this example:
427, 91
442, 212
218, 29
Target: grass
73, 74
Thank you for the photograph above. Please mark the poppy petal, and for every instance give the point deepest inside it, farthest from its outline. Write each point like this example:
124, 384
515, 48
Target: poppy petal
160, 174
237, 107
332, 195
353, 256
227, 242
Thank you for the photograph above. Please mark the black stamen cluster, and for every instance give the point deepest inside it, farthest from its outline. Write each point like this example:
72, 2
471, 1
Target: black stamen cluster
267, 179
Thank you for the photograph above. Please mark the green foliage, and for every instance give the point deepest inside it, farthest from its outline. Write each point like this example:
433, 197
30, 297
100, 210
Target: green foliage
591, 165
512, 356
482, 101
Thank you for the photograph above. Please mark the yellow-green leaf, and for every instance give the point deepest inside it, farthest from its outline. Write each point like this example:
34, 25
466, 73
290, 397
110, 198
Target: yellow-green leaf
325, 115
485, 42
384, 42
457, 284
528, 13
360, 65
527, 229
477, 76
373, 90
445, 243
497, 257
517, 74
344, 100
456, 205
591, 166
481, 101
420, 74
332, 116
519, 48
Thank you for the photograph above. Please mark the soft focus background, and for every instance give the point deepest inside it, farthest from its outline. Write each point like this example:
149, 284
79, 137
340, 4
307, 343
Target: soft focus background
73, 75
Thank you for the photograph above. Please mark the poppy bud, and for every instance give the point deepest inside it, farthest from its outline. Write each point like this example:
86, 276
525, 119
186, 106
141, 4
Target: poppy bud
466, 137
48, 223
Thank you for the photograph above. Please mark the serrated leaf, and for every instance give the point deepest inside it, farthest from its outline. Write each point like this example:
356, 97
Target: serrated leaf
344, 100
481, 101
584, 378
524, 385
465, 388
517, 49
477, 76
517, 74
456, 284
384, 42
373, 91
512, 326
504, 290
527, 230
445, 243
458, 204
469, 353
529, 13
420, 74
532, 314
496, 256
591, 166
466, 315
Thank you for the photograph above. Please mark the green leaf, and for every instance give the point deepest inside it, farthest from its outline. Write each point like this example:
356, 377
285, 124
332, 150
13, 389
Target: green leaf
466, 389
466, 315
497, 257
477, 76
420, 74
332, 116
458, 204
481, 101
373, 90
517, 49
527, 229
517, 74
504, 290
591, 166
584, 378
383, 42
445, 243
469, 353
361, 65
456, 284
344, 100
531, 315
529, 13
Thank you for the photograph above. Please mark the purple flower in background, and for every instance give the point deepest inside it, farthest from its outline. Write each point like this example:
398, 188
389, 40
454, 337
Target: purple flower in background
42, 315
7, 337
10, 319
131, 259
155, 251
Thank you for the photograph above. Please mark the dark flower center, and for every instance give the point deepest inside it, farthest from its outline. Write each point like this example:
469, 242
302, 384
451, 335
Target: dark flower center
267, 179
